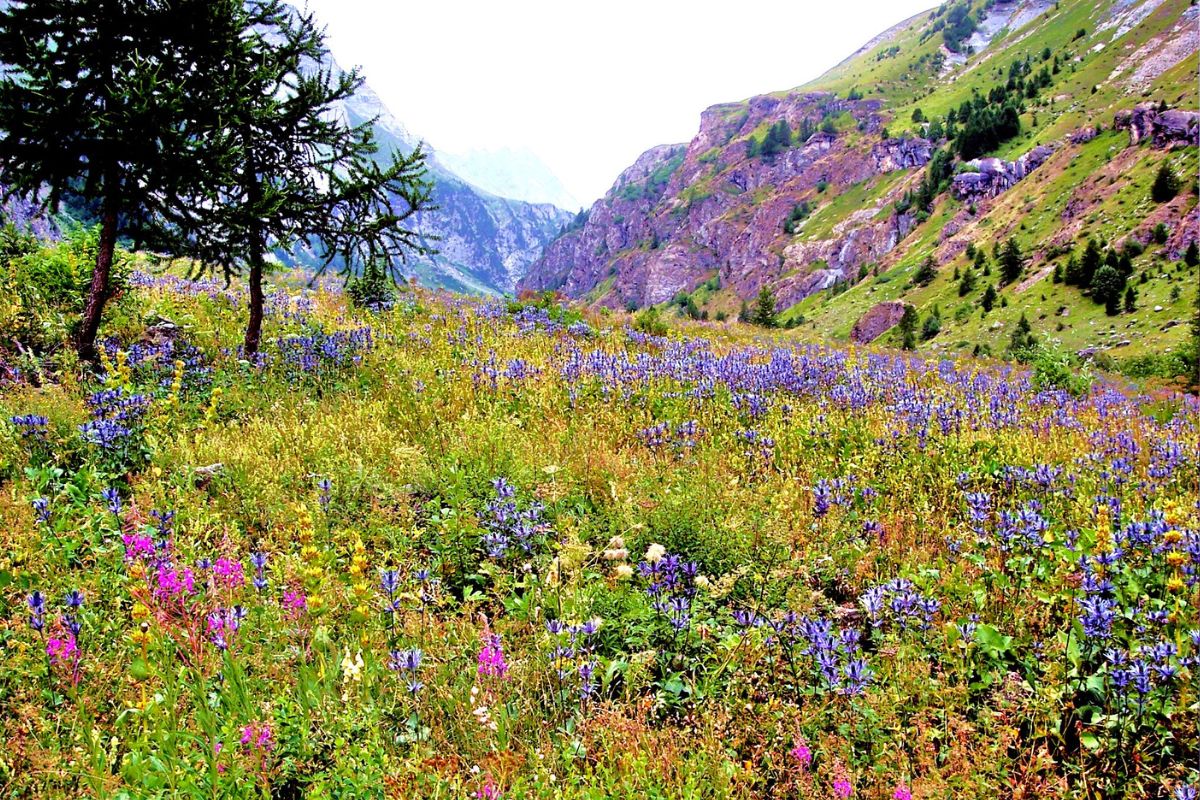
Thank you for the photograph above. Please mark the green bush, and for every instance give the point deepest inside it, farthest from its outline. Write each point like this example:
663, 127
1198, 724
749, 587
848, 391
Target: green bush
45, 287
374, 289
649, 321
1055, 368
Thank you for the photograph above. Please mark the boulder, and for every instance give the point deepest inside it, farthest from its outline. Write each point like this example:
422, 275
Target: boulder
988, 177
880, 319
895, 154
1162, 128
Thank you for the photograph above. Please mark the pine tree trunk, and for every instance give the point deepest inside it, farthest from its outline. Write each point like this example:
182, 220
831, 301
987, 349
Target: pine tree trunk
254, 324
85, 339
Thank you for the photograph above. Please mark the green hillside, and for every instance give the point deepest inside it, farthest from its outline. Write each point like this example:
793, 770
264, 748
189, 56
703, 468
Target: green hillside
978, 80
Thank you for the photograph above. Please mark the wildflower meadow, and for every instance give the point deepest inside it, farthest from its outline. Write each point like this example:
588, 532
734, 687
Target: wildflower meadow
478, 548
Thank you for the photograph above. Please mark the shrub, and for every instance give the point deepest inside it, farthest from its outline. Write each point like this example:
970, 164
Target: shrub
50, 284
1055, 368
651, 322
373, 289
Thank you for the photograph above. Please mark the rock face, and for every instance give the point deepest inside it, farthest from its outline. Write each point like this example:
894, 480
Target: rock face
1161, 128
880, 319
683, 213
988, 177
28, 216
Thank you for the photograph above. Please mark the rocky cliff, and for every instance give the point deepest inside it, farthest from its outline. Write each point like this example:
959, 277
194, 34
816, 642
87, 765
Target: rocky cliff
684, 213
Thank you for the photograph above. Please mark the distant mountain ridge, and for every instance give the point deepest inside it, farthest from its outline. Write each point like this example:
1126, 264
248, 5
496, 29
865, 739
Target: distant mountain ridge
484, 242
509, 172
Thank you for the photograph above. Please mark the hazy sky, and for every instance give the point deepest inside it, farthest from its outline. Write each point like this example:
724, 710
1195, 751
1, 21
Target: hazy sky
588, 87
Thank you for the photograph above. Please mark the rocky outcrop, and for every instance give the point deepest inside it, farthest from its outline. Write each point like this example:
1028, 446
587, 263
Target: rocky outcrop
1162, 128
27, 216
683, 213
1082, 135
893, 154
988, 177
878, 320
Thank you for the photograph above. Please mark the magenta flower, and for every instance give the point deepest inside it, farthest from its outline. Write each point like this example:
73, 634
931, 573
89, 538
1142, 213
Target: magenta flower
294, 603
842, 787
802, 754
902, 793
137, 546
62, 649
170, 583
491, 657
257, 736
229, 572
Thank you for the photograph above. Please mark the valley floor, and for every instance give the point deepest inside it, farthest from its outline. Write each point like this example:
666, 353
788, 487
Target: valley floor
469, 548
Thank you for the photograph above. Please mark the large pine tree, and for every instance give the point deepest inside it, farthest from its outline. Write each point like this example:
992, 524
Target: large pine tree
114, 98
303, 171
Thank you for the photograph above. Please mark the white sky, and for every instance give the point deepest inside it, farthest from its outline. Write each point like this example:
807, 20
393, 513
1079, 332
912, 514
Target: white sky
588, 87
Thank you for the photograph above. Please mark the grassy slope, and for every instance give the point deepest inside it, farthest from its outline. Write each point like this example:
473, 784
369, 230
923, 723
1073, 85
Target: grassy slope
1081, 95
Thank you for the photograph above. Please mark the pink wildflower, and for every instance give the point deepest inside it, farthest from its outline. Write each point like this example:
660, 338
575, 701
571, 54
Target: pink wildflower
137, 546
229, 572
257, 736
902, 793
802, 754
842, 787
62, 650
171, 583
491, 657
489, 791
294, 603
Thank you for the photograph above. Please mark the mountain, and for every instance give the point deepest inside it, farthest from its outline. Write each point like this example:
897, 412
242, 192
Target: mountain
510, 172
1045, 122
484, 242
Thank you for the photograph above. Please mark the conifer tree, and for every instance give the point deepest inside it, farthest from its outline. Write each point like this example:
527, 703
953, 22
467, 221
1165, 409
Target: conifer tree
1166, 184
988, 301
1022, 343
304, 173
1091, 261
908, 328
967, 284
926, 272
116, 100
1191, 256
1010, 261
764, 308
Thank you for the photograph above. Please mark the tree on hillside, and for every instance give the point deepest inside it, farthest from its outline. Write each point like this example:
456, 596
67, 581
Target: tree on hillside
1093, 257
988, 301
764, 309
1010, 261
926, 272
1130, 300
967, 284
117, 100
1106, 289
908, 328
1166, 184
932, 325
1022, 342
1191, 256
303, 172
